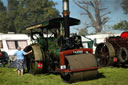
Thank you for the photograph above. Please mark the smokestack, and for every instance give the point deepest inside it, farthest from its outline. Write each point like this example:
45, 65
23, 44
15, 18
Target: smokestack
66, 17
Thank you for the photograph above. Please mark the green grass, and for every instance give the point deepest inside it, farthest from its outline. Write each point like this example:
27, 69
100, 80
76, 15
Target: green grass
107, 76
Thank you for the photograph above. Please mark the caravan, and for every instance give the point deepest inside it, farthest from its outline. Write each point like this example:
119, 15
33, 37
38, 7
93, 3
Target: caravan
9, 42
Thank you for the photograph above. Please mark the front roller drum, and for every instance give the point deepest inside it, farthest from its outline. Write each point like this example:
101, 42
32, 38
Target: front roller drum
80, 61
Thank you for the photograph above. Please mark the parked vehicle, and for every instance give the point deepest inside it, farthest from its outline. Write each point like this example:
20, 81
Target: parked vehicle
114, 51
4, 58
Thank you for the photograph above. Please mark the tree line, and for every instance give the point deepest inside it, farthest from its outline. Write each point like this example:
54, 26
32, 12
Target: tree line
20, 13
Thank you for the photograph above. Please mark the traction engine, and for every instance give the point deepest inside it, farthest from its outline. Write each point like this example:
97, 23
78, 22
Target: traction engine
114, 51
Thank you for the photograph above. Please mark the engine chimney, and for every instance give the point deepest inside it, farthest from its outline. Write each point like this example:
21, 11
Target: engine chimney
66, 17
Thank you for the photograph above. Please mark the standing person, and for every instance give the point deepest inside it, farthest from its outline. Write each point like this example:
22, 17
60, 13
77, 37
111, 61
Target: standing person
20, 60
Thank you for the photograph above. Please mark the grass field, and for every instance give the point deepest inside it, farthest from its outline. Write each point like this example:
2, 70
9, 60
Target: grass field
107, 76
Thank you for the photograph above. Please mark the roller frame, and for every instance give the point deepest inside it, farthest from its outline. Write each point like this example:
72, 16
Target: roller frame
68, 52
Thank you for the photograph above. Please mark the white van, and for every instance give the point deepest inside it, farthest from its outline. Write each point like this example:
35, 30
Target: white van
9, 42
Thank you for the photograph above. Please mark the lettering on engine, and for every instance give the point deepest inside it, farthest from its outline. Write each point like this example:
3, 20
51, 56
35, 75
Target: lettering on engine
77, 52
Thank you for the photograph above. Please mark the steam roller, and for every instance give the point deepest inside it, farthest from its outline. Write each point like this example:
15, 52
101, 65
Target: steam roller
55, 50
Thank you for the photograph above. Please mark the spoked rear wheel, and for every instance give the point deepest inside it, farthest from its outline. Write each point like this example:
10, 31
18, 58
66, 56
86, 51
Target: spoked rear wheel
104, 54
31, 63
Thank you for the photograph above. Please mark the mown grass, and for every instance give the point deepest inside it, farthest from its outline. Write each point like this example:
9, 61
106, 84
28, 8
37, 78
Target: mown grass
107, 76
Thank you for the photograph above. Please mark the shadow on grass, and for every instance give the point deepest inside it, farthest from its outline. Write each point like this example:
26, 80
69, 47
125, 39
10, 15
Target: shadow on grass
54, 73
100, 75
121, 66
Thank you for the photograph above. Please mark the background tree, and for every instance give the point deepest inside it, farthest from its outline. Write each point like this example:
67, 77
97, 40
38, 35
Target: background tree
34, 11
83, 30
12, 14
123, 25
97, 20
21, 13
124, 5
3, 18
